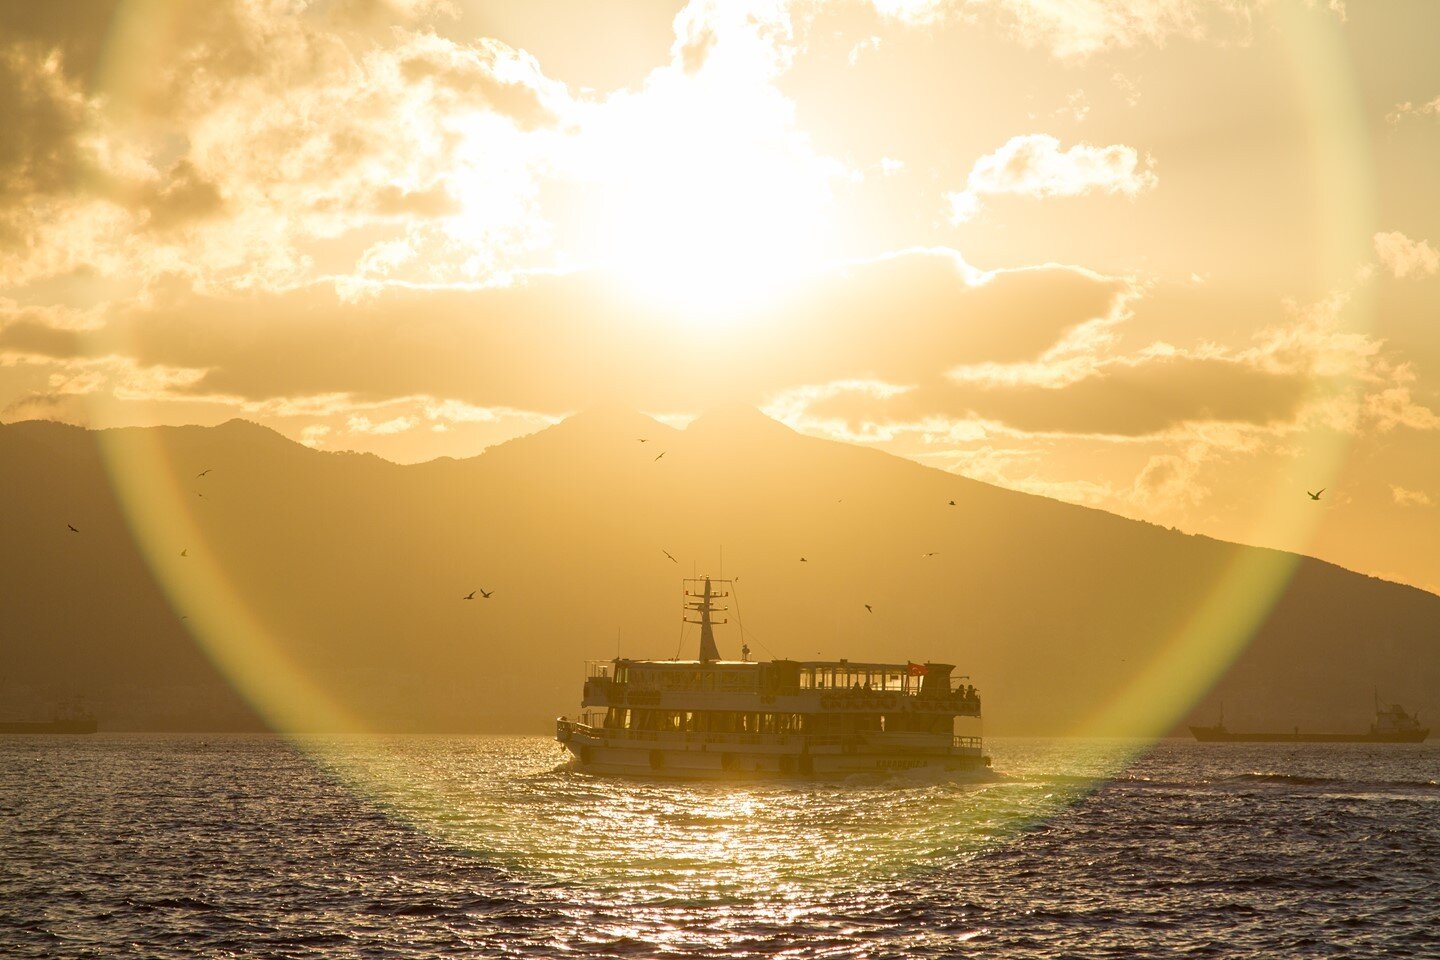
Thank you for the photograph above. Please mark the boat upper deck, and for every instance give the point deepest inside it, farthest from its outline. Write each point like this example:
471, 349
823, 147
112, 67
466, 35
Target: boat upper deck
805, 685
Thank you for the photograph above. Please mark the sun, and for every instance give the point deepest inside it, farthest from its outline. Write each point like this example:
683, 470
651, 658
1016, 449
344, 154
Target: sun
710, 203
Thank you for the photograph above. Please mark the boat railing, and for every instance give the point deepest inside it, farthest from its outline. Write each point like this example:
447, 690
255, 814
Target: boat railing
750, 739
687, 736
841, 699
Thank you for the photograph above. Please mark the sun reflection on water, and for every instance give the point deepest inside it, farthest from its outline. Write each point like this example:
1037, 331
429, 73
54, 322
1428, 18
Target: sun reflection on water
515, 802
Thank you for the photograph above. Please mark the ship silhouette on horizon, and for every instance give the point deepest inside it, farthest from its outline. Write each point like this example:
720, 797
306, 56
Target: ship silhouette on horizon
1391, 725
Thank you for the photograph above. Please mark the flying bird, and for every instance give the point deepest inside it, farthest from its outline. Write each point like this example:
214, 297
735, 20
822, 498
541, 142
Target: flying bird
1316, 494
185, 552
803, 560
643, 439
869, 609
485, 594
952, 503
662, 453
667, 553
203, 472
469, 596
199, 494
930, 554
72, 528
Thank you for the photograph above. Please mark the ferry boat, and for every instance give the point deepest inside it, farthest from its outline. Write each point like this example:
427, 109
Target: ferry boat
738, 719
1394, 725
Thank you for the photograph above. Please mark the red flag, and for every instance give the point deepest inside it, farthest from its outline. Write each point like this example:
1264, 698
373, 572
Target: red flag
916, 669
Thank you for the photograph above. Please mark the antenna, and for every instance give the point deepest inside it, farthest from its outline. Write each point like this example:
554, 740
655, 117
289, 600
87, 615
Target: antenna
739, 619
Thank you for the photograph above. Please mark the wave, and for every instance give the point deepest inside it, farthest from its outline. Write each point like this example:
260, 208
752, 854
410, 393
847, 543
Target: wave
1298, 780
1238, 780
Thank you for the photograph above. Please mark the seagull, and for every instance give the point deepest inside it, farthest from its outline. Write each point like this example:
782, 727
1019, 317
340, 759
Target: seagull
643, 439
469, 596
667, 553
952, 503
485, 594
203, 472
803, 560
930, 554
1316, 494
199, 494
72, 528
185, 552
662, 453
869, 608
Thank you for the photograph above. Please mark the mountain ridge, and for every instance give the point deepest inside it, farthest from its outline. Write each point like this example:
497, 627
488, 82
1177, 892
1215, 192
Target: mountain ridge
356, 567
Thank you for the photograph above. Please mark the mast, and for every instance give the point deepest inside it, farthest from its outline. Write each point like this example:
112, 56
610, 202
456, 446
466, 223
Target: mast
704, 604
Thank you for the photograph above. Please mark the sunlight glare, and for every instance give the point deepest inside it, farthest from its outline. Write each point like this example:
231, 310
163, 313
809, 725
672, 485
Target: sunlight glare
711, 202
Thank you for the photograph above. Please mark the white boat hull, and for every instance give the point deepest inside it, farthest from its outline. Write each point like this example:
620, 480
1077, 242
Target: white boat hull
753, 761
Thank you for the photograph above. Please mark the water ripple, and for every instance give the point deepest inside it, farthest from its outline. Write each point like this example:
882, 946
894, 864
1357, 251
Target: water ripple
491, 847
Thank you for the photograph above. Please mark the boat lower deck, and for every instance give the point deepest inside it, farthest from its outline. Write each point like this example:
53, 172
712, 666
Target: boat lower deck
612, 753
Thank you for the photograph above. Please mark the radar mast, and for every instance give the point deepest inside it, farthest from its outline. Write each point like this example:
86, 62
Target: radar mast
700, 597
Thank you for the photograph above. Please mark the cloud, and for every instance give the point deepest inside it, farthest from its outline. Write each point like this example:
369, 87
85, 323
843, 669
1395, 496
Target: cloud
41, 339
486, 75
740, 40
1404, 257
1132, 397
241, 146
914, 12
1033, 165
1077, 29
1167, 480
1406, 110
363, 424
44, 113
314, 435
1306, 372
870, 43
226, 166
1410, 498
556, 342
1077, 105
1394, 407
44, 406
1080, 29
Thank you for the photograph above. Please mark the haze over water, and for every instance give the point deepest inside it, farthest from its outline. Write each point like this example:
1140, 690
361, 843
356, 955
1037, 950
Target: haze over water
223, 846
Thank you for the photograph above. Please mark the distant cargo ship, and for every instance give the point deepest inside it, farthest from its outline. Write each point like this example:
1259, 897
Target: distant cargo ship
1391, 726
66, 721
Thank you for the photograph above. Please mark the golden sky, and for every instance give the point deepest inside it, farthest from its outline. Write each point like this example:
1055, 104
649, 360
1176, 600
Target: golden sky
1176, 259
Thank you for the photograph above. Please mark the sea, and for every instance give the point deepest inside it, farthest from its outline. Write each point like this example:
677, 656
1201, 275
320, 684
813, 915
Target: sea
261, 846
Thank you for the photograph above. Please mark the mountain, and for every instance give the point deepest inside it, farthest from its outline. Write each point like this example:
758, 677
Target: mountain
332, 584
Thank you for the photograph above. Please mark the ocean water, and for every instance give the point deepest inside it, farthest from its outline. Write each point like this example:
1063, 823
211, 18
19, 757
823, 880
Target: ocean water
145, 846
